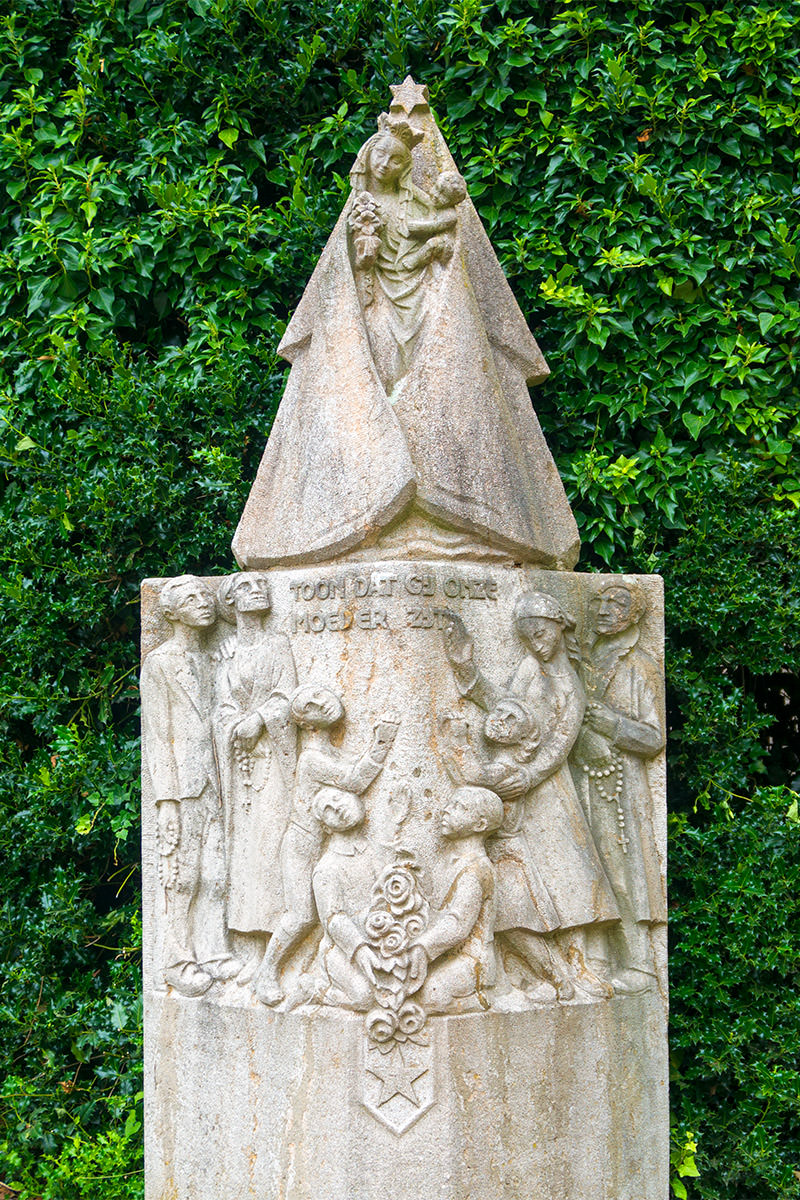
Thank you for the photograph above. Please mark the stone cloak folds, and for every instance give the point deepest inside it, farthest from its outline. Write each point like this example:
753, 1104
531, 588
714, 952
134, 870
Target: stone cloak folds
456, 439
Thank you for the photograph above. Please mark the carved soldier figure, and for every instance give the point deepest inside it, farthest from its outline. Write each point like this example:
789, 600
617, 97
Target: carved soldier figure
547, 683
176, 687
623, 728
316, 710
458, 941
256, 746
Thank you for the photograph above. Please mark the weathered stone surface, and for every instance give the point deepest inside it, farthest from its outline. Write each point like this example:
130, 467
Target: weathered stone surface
403, 791
407, 394
560, 1103
533, 1078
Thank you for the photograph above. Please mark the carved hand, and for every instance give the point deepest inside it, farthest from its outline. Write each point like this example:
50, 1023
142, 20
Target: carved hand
458, 644
248, 731
417, 969
515, 785
602, 720
367, 961
275, 711
367, 251
385, 732
456, 728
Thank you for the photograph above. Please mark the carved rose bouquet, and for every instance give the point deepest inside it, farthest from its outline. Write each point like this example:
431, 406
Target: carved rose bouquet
385, 1028
398, 888
366, 223
397, 916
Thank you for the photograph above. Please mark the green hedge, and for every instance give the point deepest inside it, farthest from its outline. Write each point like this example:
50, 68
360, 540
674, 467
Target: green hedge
169, 174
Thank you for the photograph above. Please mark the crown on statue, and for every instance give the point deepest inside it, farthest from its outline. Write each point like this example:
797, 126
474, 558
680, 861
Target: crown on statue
399, 128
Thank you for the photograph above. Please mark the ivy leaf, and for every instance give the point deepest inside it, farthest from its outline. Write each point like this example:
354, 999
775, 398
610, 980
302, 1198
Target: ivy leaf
696, 422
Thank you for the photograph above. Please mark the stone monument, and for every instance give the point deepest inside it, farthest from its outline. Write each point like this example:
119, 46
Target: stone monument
403, 774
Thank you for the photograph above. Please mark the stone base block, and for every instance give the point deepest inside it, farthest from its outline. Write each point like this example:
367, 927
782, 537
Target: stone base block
563, 1102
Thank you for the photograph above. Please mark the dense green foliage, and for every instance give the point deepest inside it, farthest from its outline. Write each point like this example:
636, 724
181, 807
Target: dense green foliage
169, 173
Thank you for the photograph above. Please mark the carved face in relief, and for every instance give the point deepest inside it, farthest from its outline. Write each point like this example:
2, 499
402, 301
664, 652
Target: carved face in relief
188, 601
338, 810
449, 189
614, 610
389, 158
542, 635
251, 593
471, 810
540, 622
507, 723
317, 708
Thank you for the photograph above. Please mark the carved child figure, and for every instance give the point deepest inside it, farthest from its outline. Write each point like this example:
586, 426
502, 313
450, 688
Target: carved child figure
438, 228
176, 688
525, 910
512, 732
316, 710
343, 880
458, 941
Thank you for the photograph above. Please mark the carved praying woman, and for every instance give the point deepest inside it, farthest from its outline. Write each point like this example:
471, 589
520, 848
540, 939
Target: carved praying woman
256, 747
554, 831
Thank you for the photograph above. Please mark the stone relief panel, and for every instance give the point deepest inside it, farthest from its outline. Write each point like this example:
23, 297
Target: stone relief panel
403, 792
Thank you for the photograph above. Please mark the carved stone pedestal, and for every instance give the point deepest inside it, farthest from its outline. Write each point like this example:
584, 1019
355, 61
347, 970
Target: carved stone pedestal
403, 788
567, 1102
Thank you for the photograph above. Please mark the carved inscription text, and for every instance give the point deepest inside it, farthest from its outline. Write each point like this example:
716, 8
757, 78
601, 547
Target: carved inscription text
417, 585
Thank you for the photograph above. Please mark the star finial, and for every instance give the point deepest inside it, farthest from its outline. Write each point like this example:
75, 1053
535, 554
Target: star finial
408, 96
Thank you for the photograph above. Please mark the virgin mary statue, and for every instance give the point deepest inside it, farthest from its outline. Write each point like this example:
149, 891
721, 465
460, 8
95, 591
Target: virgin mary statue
406, 423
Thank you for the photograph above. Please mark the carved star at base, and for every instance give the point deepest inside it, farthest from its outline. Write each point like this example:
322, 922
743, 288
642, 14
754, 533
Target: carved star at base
408, 96
397, 1078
